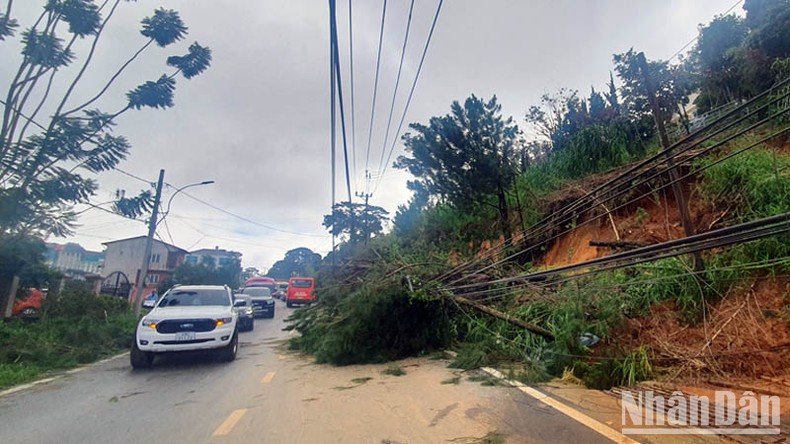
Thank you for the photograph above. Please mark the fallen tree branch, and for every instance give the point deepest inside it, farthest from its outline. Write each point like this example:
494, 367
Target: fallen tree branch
505, 317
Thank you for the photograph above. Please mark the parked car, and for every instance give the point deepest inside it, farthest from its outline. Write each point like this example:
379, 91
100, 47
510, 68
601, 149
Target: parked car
188, 317
262, 301
29, 307
150, 300
300, 291
243, 305
282, 291
266, 282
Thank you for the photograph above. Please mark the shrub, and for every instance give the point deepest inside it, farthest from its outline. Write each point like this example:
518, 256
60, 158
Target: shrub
75, 328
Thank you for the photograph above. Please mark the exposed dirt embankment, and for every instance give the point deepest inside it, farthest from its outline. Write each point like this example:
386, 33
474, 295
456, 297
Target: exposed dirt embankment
746, 333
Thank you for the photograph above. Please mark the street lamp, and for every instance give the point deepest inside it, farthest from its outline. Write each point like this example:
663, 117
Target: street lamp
178, 190
152, 223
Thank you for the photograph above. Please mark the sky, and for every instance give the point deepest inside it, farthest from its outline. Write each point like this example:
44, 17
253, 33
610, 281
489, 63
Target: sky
257, 122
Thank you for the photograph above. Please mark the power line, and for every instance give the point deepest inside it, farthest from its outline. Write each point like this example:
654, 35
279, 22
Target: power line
126, 173
375, 85
589, 200
250, 221
351, 72
679, 51
336, 58
397, 82
411, 92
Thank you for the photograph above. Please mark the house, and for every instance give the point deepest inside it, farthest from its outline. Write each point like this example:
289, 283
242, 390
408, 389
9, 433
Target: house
74, 260
123, 259
217, 256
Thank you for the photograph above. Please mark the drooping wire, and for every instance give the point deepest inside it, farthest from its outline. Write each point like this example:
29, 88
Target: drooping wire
397, 83
375, 87
411, 92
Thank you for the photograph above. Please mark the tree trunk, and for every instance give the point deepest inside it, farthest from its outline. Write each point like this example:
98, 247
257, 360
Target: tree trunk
504, 215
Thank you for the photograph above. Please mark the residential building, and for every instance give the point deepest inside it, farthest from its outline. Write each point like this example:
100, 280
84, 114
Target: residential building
74, 260
217, 256
123, 258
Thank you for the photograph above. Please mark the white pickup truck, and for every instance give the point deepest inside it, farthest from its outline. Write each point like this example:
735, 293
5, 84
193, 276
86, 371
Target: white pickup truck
188, 317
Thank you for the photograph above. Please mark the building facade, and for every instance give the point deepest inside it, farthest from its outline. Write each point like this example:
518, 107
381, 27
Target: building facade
218, 257
123, 259
74, 260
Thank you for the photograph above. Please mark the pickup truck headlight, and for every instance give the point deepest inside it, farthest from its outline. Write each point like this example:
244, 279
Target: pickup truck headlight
223, 321
149, 323
249, 310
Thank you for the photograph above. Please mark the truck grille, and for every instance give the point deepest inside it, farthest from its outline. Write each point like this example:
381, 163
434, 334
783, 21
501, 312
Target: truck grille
177, 325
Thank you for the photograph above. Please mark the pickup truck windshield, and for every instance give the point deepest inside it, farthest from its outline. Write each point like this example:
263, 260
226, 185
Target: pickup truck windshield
186, 298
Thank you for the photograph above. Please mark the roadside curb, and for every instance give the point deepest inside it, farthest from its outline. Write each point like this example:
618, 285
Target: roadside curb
568, 411
63, 374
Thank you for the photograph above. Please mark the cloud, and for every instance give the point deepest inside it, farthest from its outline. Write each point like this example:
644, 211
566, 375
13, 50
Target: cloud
257, 122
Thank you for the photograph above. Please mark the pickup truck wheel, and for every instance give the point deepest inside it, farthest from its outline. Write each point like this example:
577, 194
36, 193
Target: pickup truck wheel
139, 358
289, 304
228, 352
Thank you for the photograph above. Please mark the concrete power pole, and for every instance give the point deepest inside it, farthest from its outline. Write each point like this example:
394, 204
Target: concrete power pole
149, 241
367, 197
677, 188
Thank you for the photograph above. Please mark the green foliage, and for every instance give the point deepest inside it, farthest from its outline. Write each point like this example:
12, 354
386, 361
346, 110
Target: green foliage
48, 162
394, 370
733, 56
297, 262
627, 370
355, 221
13, 374
367, 315
75, 328
593, 149
208, 273
755, 184
23, 256
465, 157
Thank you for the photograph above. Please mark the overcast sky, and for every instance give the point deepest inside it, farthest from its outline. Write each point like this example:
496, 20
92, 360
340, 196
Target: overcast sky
257, 122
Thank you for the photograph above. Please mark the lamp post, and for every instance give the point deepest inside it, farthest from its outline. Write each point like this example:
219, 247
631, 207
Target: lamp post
152, 223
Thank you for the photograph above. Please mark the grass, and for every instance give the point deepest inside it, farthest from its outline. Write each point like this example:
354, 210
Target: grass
486, 380
361, 380
489, 438
394, 370
75, 328
13, 374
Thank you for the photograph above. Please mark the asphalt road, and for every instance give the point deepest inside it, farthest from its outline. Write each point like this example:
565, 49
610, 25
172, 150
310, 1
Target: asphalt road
269, 395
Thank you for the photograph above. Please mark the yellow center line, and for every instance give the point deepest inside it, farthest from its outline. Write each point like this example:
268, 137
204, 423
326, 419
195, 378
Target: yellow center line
229, 423
268, 378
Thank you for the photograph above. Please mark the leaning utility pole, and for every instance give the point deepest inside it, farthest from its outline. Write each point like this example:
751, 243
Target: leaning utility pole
677, 188
149, 241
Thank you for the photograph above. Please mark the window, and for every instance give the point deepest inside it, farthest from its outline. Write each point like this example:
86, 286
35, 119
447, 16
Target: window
302, 283
152, 278
191, 259
195, 298
155, 258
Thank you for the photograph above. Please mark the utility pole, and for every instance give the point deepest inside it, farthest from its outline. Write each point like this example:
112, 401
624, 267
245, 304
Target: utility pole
365, 225
677, 187
149, 241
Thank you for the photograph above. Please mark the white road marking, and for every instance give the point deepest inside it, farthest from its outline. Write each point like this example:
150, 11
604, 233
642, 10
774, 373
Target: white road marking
268, 378
19, 388
229, 423
578, 416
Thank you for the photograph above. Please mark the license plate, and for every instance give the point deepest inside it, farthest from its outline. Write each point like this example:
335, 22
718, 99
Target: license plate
185, 336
